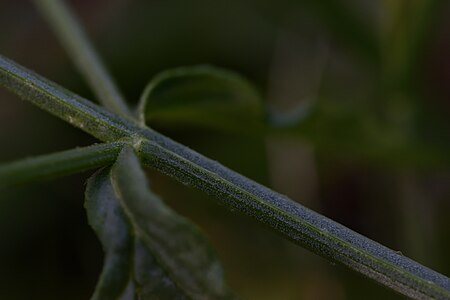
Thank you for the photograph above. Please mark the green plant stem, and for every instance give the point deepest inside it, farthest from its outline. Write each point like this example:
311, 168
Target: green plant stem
293, 221
58, 164
76, 43
374, 145
60, 102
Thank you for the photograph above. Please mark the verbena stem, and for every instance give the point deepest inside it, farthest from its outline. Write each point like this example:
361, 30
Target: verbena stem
83, 54
58, 164
290, 219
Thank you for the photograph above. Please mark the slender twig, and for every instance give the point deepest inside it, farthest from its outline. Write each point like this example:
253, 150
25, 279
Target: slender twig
58, 164
76, 43
293, 221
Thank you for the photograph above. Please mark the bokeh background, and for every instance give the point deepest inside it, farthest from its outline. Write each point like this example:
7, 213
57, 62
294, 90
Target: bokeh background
371, 78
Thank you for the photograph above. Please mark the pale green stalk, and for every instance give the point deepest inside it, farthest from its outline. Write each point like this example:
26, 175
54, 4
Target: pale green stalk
295, 222
76, 43
290, 219
58, 164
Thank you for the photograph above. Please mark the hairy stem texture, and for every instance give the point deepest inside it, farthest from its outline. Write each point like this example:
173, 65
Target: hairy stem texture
58, 164
74, 40
290, 219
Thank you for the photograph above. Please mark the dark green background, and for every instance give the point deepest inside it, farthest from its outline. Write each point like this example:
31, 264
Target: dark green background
383, 60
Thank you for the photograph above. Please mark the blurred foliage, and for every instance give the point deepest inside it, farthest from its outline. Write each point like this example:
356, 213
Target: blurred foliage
372, 77
202, 96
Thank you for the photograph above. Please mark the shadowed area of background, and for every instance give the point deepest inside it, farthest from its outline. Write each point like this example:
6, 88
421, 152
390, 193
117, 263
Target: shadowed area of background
377, 73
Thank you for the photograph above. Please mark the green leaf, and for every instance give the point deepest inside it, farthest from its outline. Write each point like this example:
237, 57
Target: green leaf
129, 267
149, 248
288, 218
202, 96
114, 231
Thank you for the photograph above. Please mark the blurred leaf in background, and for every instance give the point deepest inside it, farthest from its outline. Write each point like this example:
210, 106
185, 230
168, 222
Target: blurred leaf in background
371, 80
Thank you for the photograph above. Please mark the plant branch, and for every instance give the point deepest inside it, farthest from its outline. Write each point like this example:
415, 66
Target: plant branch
290, 219
76, 43
60, 102
373, 144
58, 164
